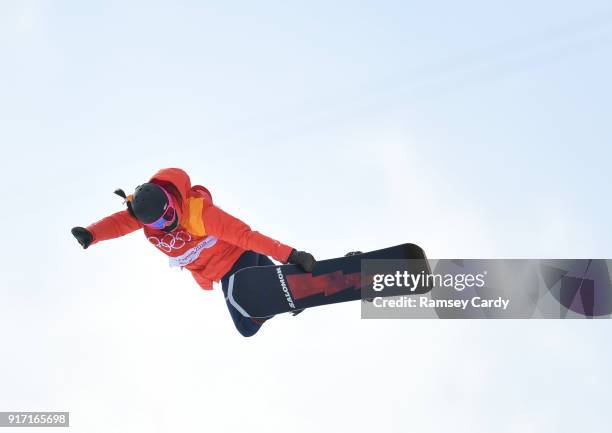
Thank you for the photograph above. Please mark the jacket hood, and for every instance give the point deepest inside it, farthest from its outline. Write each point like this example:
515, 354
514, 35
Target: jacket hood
178, 179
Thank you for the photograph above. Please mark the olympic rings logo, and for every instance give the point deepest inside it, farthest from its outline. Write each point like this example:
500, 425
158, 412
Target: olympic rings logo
171, 242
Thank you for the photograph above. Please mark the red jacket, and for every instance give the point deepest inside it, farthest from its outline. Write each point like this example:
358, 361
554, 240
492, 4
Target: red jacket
208, 241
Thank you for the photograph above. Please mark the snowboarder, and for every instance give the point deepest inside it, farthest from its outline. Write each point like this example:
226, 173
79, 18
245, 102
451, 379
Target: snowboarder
181, 221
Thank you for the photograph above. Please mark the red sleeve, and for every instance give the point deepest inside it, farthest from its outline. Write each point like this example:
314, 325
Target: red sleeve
222, 225
113, 226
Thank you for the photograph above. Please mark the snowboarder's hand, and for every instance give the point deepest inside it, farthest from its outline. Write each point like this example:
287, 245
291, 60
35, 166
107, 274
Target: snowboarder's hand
82, 235
303, 259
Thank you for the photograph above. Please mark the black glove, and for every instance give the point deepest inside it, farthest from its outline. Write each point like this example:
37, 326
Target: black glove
82, 235
303, 259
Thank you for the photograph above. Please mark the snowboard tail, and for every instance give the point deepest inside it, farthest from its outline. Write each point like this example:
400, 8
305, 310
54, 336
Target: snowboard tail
263, 291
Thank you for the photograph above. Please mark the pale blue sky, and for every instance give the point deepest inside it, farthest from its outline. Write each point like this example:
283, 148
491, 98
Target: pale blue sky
474, 128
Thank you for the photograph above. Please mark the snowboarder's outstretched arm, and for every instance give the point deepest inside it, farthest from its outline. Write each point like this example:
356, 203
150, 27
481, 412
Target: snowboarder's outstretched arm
226, 227
113, 226
230, 229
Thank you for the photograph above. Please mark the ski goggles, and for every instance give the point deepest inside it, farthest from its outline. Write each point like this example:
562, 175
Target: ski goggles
168, 216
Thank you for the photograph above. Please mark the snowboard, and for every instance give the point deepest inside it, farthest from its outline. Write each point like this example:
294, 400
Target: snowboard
263, 291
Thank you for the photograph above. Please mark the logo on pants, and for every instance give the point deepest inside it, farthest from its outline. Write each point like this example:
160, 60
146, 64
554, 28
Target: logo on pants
283, 284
